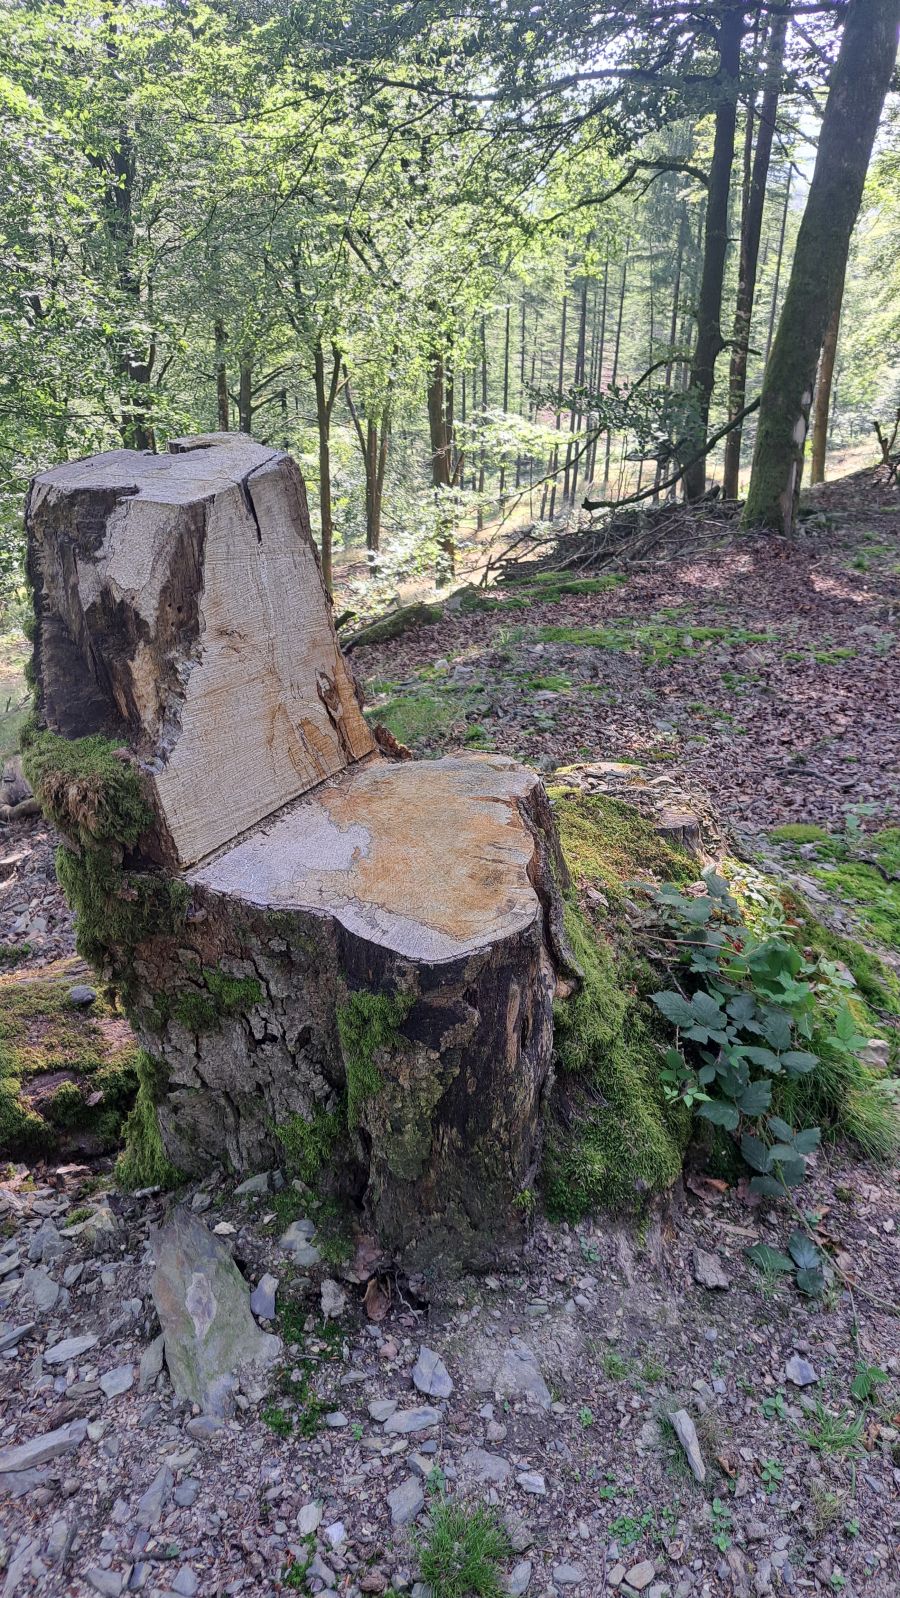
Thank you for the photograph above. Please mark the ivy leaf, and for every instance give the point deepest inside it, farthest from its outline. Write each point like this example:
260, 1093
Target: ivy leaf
799, 1062
803, 1251
811, 1282
674, 1008
720, 1114
755, 1152
756, 1098
768, 1258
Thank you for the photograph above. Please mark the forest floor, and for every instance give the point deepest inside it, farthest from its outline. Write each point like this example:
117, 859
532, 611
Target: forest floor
763, 677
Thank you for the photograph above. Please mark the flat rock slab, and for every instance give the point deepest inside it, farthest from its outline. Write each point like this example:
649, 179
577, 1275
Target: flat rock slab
69, 1349
514, 1374
800, 1372
404, 1421
686, 1432
406, 1501
709, 1271
482, 1466
118, 1381
27, 1456
203, 1305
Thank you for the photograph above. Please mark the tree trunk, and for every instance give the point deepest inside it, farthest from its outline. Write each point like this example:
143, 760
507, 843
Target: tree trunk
554, 459
751, 231
439, 431
856, 94
615, 364
709, 309
324, 406
505, 389
776, 282
221, 339
245, 394
822, 408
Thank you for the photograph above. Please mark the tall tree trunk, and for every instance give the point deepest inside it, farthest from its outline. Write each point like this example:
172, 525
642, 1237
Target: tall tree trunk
773, 308
597, 378
554, 459
856, 94
325, 398
505, 385
822, 407
709, 309
441, 465
676, 295
245, 394
222, 413
751, 231
615, 364
575, 417
484, 404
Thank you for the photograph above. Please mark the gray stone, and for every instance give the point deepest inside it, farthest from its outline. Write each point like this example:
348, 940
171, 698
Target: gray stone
430, 1375
140, 1576
323, 1572
73, 1274
262, 1299
517, 1530
333, 1300
203, 1305
515, 1374
204, 1427
640, 1576
686, 1432
100, 1232
151, 1363
59, 1540
10, 1335
406, 1501
253, 1184
335, 1419
531, 1481
81, 995
413, 1420
709, 1270
14, 1484
46, 1244
381, 1409
297, 1241
519, 1579
9, 1262
26, 1551
71, 1348
185, 1583
309, 1519
485, 1467
107, 1582
568, 1575
800, 1372
152, 1502
39, 1286
877, 1053
186, 1493
27, 1456
117, 1381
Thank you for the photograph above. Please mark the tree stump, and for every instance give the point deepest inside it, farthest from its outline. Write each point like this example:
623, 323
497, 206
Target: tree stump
328, 957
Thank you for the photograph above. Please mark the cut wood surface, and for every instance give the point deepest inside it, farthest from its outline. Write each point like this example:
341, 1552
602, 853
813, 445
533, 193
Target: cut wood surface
427, 858
182, 599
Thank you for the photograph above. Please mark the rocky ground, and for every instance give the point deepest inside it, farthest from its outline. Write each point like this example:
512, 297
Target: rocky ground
546, 1392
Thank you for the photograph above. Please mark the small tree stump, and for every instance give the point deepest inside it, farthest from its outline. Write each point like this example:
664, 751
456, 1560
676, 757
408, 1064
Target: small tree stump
325, 954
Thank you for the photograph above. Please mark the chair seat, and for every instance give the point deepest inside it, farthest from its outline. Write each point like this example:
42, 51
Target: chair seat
427, 858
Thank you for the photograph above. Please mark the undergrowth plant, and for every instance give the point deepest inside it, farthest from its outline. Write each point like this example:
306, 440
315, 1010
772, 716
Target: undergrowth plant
754, 1017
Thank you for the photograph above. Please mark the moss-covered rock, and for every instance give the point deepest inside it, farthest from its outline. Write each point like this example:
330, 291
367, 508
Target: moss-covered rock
143, 1162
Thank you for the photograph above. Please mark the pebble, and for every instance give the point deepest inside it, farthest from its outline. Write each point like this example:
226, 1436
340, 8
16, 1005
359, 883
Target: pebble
309, 1519
686, 1432
568, 1575
531, 1481
262, 1299
333, 1300
253, 1184
70, 1348
81, 995
185, 1494
335, 1419
413, 1420
117, 1381
430, 1374
151, 1363
800, 1372
107, 1582
297, 1241
519, 1578
484, 1467
640, 1576
186, 1582
709, 1270
406, 1501
381, 1409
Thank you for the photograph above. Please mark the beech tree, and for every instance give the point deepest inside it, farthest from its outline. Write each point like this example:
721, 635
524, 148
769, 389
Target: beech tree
856, 95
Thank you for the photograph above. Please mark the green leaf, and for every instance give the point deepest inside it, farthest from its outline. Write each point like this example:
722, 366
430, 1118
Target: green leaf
755, 1152
756, 1098
803, 1251
707, 1010
764, 1057
767, 1186
720, 1114
781, 1129
811, 1282
674, 1008
792, 1172
808, 1140
742, 1007
776, 1028
798, 1062
768, 1258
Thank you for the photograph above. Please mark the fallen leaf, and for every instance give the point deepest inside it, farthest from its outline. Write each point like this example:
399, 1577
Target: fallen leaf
376, 1300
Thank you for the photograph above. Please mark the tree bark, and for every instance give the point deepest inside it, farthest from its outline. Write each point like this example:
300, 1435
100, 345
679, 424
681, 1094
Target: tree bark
751, 231
709, 309
245, 393
222, 412
616, 349
856, 94
325, 399
822, 408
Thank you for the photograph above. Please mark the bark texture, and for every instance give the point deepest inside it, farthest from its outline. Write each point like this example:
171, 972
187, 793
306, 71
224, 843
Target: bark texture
310, 963
856, 94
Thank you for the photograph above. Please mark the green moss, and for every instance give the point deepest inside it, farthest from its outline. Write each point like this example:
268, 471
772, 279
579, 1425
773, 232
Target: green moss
419, 718
310, 1144
225, 995
877, 902
13, 953
397, 623
614, 1139
114, 909
368, 1023
89, 788
799, 832
608, 844
144, 1162
658, 642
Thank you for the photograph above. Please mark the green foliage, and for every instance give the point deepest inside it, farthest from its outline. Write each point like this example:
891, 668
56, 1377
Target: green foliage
804, 1261
420, 719
225, 995
658, 642
13, 953
460, 1551
799, 832
367, 1023
310, 1144
867, 1380
89, 789
144, 1162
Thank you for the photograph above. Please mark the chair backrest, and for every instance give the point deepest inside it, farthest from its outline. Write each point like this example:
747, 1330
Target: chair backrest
180, 609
